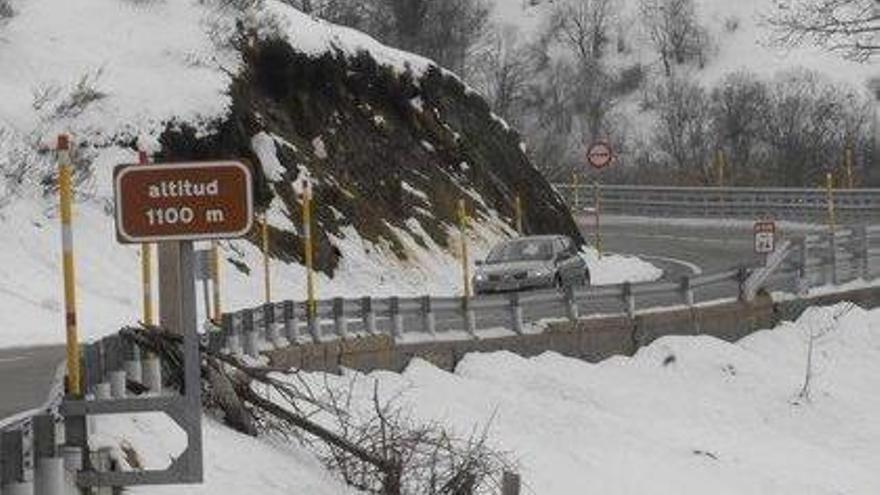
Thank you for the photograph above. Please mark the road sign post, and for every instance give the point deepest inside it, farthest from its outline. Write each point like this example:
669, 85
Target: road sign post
599, 155
65, 189
765, 238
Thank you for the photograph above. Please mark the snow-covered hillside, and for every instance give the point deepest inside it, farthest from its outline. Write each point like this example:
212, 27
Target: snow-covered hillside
115, 73
739, 39
686, 415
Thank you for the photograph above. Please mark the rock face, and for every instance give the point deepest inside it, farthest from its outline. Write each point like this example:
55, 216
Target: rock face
383, 147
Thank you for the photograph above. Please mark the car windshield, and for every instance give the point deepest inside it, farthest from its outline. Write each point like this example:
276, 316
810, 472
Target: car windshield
521, 250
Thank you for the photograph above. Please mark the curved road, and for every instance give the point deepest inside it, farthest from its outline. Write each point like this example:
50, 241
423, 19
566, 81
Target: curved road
26, 374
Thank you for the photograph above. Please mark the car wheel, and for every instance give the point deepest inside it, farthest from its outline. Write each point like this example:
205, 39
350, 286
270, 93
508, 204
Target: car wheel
587, 280
557, 283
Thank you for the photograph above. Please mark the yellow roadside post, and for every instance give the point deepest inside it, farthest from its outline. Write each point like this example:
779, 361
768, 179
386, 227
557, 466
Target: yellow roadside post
308, 248
264, 243
146, 265
65, 188
215, 275
576, 193
829, 185
720, 165
465, 268
519, 215
597, 207
848, 159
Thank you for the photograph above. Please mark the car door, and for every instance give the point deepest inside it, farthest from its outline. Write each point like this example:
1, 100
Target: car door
569, 268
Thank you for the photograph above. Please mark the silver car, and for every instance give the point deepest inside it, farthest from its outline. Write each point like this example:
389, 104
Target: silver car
531, 263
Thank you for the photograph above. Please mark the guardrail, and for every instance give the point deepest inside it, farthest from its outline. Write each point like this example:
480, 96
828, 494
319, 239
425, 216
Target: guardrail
809, 205
805, 262
35, 460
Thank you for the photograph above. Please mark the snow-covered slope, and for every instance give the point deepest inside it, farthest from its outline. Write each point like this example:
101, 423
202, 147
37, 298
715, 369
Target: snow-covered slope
686, 415
115, 73
745, 46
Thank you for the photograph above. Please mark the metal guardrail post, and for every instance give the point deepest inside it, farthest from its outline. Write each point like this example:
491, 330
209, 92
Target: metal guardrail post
12, 469
291, 323
511, 483
314, 321
630, 300
430, 322
801, 280
48, 465
864, 248
133, 366
233, 339
396, 318
687, 291
516, 313
368, 315
470, 318
571, 306
269, 323
250, 334
741, 276
340, 324
832, 261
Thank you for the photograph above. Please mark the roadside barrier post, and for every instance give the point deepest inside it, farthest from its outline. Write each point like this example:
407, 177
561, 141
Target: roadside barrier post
571, 304
864, 253
430, 322
687, 290
48, 466
576, 192
215, 277
233, 338
368, 315
597, 210
516, 313
269, 322
65, 187
848, 159
250, 334
291, 323
396, 318
339, 322
630, 300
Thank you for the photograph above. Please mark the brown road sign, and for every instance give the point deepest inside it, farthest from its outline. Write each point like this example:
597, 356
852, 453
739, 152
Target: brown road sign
183, 201
600, 155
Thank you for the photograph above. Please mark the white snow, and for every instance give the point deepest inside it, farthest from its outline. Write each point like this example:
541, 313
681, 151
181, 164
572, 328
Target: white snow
234, 463
717, 418
264, 147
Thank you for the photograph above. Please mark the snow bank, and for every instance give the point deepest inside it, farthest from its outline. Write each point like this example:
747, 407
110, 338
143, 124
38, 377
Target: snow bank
235, 464
685, 415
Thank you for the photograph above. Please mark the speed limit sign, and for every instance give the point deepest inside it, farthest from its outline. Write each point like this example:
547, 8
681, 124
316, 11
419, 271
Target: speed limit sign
765, 237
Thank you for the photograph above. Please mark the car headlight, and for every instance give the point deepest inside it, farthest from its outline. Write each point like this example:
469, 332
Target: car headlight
480, 277
539, 273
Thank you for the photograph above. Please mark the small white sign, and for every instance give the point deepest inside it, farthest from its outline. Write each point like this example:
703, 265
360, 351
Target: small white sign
765, 237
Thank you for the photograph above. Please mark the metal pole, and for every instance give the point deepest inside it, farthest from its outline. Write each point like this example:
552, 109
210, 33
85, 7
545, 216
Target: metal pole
721, 165
574, 188
307, 247
264, 242
65, 186
146, 264
829, 184
597, 207
465, 268
215, 276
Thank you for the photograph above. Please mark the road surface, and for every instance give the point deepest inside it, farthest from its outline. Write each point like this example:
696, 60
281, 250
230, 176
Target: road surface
26, 377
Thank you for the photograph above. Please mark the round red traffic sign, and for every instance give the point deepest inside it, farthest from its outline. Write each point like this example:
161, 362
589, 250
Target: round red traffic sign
600, 155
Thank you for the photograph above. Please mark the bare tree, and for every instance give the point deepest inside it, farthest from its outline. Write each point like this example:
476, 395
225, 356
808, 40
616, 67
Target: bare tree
674, 31
683, 132
827, 321
739, 105
501, 68
849, 27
